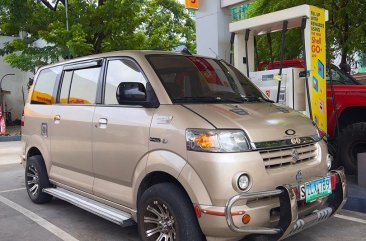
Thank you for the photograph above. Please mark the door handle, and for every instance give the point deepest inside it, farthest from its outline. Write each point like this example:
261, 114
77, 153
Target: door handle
102, 123
57, 119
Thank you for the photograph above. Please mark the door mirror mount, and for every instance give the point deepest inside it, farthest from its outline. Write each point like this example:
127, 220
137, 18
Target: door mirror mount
135, 93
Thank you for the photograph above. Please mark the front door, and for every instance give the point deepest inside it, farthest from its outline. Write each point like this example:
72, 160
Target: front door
120, 135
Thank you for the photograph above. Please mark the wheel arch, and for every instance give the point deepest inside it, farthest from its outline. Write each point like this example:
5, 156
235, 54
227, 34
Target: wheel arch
351, 115
38, 147
165, 166
33, 151
154, 178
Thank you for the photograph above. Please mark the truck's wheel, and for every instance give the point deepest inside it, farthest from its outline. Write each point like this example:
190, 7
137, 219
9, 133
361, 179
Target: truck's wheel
36, 178
166, 213
351, 141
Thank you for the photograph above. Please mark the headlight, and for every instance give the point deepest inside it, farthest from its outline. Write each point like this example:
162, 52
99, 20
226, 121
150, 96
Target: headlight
216, 140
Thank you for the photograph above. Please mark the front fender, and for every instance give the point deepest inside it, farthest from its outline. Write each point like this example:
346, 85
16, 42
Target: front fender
176, 166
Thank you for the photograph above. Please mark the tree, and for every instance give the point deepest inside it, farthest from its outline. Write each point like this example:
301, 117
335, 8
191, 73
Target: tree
346, 28
96, 26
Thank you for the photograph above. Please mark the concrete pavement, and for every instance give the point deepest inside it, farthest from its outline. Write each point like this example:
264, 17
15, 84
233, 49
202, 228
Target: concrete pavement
20, 219
10, 152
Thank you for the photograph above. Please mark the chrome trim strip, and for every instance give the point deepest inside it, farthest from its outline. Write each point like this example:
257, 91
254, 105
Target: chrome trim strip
245, 196
290, 223
265, 145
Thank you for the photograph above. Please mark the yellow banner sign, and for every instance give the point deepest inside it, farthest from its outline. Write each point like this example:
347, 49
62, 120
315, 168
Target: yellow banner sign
317, 79
192, 4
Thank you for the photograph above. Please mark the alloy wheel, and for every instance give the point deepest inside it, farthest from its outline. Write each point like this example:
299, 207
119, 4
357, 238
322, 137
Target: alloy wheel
32, 180
159, 224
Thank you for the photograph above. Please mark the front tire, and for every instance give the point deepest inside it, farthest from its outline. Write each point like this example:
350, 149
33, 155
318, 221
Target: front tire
351, 141
166, 213
36, 178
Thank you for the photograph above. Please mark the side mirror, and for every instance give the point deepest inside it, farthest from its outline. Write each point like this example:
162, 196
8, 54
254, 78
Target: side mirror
132, 93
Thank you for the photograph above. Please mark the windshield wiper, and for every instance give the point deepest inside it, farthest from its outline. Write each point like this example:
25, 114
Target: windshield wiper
256, 99
235, 100
198, 98
218, 99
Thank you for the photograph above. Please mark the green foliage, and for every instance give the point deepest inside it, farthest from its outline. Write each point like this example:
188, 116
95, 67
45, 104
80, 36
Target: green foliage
346, 28
95, 27
170, 18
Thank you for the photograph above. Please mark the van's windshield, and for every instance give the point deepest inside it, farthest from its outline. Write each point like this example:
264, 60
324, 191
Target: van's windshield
191, 79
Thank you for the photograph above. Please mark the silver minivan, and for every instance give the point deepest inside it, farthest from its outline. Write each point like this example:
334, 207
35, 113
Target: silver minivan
185, 146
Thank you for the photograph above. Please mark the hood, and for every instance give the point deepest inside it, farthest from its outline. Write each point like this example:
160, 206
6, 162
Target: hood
260, 121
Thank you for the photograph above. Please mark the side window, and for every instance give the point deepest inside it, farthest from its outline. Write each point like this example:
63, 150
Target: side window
44, 86
340, 78
120, 71
335, 76
80, 86
65, 89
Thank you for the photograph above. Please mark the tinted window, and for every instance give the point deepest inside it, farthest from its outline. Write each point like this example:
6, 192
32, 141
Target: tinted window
119, 71
45, 83
80, 86
65, 89
340, 78
197, 79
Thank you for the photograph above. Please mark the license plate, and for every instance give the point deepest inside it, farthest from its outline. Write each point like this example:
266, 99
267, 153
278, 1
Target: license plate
316, 189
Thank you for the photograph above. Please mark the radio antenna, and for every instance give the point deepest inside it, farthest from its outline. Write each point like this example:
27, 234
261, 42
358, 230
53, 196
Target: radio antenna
217, 56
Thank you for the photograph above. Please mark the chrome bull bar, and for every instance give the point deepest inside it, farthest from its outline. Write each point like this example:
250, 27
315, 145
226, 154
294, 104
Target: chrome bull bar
290, 223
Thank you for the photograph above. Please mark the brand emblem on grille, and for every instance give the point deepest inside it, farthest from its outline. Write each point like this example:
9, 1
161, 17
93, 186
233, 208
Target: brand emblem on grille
296, 141
299, 176
290, 132
295, 156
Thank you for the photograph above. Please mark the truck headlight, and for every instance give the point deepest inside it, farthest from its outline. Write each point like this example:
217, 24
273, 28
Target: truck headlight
217, 140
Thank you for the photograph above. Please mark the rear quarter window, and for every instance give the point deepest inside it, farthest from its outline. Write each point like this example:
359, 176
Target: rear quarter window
80, 86
44, 86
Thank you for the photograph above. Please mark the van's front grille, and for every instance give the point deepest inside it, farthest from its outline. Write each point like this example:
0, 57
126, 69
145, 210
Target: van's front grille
282, 157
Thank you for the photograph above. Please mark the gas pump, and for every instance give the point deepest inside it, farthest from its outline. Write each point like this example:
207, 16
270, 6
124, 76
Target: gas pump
301, 89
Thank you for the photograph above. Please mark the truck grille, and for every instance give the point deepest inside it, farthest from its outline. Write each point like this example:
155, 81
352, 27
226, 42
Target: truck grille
282, 157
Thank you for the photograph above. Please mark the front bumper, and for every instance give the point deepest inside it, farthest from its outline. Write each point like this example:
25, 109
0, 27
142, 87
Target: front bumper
289, 222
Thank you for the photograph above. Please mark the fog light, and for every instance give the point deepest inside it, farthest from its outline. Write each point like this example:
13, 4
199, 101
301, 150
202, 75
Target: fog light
329, 161
243, 182
245, 219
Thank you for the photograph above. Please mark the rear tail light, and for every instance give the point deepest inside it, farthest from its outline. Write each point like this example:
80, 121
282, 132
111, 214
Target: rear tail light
22, 121
333, 181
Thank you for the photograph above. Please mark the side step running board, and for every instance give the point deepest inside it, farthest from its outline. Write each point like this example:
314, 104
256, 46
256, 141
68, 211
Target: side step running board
107, 212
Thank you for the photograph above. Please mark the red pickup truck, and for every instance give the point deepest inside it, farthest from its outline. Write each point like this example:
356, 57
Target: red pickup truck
349, 115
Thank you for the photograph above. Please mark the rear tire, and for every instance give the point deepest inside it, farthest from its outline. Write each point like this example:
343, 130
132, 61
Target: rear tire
165, 211
36, 178
352, 140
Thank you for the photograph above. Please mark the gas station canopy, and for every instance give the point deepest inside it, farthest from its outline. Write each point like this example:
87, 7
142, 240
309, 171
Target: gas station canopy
273, 22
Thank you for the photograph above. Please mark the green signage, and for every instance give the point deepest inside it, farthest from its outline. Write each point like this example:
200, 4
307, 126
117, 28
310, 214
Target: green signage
239, 12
